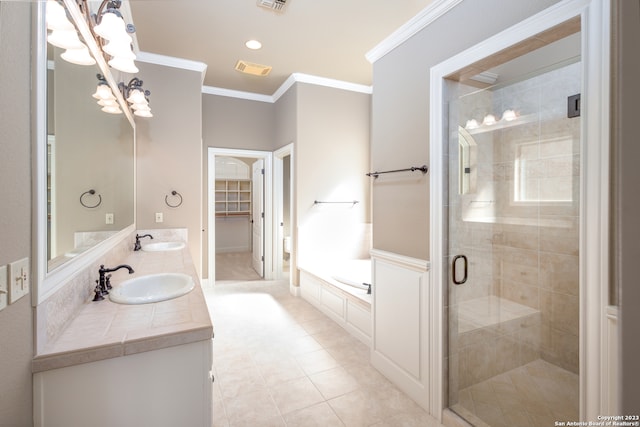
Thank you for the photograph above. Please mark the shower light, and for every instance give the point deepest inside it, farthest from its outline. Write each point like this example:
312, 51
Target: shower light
489, 120
471, 124
509, 115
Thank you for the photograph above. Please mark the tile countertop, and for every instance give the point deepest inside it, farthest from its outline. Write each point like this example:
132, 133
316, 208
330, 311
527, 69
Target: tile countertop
104, 329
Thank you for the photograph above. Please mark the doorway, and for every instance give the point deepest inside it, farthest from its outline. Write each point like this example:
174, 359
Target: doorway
239, 214
517, 174
284, 255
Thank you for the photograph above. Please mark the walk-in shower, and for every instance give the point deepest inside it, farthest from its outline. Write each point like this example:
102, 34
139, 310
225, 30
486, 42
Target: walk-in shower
513, 240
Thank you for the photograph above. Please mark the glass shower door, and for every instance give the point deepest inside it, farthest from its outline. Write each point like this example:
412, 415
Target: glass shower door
513, 239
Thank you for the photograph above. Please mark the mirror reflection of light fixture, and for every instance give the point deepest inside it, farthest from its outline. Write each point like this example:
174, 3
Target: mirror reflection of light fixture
106, 98
137, 97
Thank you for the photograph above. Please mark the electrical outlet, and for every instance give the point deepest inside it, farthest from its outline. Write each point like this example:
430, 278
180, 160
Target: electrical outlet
3, 287
159, 217
19, 278
108, 219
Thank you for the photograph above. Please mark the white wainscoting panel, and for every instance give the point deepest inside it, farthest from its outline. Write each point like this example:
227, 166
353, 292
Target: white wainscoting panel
400, 345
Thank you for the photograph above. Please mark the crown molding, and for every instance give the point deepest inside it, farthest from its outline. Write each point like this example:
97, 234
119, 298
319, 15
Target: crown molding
428, 15
170, 61
250, 96
284, 87
337, 84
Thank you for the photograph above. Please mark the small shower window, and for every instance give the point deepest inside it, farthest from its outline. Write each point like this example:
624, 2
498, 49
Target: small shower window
544, 171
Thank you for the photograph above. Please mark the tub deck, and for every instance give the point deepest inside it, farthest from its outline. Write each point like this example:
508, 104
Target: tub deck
347, 305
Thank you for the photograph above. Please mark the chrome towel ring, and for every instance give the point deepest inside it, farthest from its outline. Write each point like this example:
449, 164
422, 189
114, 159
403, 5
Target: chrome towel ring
90, 193
175, 194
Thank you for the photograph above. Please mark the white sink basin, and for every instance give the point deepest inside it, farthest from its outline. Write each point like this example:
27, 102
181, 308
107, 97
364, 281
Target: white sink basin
163, 246
152, 288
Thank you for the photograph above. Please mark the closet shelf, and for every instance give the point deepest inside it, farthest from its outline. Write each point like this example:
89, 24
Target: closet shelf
232, 197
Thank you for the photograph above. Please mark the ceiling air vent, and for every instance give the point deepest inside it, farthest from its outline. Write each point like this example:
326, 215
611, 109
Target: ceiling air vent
277, 5
253, 69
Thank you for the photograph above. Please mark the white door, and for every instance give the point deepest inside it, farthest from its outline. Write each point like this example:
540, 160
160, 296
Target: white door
257, 216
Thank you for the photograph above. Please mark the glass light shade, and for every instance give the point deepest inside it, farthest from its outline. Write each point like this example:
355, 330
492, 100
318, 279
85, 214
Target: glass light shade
136, 97
141, 107
111, 26
108, 103
65, 39
112, 109
103, 91
124, 65
143, 113
489, 120
471, 124
509, 115
57, 17
78, 56
120, 48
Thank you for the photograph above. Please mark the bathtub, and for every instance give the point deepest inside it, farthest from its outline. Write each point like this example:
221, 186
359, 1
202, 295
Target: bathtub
355, 273
339, 290
351, 276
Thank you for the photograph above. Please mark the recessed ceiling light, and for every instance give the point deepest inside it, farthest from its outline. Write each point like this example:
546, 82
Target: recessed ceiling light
253, 44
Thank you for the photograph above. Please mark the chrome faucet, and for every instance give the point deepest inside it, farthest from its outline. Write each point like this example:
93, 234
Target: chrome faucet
103, 283
137, 246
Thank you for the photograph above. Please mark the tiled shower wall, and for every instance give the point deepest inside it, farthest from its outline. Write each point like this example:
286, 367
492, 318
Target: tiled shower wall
521, 215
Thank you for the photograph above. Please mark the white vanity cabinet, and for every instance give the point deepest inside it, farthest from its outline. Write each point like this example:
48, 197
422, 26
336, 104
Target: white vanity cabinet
167, 387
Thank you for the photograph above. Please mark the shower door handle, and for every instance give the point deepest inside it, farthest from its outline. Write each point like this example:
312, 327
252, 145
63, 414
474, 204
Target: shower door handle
453, 269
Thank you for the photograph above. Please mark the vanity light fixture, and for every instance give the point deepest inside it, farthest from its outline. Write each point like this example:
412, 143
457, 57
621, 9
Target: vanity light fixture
112, 34
78, 56
107, 27
116, 41
64, 35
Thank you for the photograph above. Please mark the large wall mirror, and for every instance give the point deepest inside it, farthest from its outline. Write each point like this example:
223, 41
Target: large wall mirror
86, 161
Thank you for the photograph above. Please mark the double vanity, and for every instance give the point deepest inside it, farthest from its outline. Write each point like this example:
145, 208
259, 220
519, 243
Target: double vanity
143, 360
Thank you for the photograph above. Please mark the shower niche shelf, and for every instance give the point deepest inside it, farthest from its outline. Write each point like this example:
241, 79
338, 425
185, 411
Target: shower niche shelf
233, 197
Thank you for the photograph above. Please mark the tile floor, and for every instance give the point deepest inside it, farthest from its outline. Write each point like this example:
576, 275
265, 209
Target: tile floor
278, 361
536, 394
